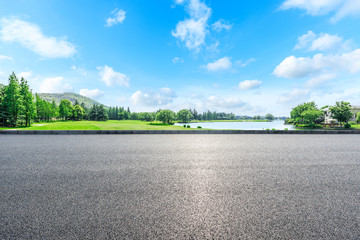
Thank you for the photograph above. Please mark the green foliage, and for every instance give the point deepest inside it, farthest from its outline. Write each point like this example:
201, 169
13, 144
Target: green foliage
347, 125
12, 100
269, 117
66, 109
286, 129
78, 113
199, 126
341, 112
310, 116
28, 109
188, 126
184, 116
358, 117
165, 116
98, 113
184, 126
296, 113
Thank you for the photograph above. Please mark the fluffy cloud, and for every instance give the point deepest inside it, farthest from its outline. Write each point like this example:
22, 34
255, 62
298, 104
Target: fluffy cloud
292, 67
161, 97
177, 60
341, 8
249, 84
30, 36
220, 25
55, 85
25, 75
2, 57
225, 103
322, 42
112, 78
94, 93
193, 30
118, 16
221, 64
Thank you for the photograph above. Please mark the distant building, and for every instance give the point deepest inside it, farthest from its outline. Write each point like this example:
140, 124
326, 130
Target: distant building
328, 116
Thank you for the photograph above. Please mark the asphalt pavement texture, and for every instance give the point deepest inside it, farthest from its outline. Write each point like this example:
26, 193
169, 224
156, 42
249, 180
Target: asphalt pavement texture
180, 187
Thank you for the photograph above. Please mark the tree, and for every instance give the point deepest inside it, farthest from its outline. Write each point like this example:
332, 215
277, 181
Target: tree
269, 117
78, 113
298, 110
184, 115
98, 113
166, 116
311, 115
341, 112
65, 109
358, 117
28, 109
12, 100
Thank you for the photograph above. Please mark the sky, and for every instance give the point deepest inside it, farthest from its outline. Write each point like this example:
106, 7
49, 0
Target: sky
248, 57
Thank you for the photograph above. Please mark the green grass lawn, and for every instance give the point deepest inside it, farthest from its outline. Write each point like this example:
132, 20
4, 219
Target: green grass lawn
94, 125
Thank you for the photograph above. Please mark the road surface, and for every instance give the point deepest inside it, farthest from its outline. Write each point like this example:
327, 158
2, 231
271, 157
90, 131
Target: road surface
180, 186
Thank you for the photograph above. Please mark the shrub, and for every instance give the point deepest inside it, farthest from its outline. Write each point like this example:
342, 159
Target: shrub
347, 125
286, 129
199, 127
188, 126
184, 125
273, 129
267, 129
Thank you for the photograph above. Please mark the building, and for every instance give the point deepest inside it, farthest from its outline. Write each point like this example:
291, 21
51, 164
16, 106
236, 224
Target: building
328, 117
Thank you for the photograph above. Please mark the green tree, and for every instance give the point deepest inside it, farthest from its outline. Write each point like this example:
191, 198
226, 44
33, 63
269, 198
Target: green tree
3, 114
78, 113
166, 116
298, 110
184, 116
269, 117
358, 117
98, 113
28, 109
12, 100
341, 112
65, 109
310, 116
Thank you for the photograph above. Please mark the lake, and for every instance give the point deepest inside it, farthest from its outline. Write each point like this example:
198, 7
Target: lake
278, 125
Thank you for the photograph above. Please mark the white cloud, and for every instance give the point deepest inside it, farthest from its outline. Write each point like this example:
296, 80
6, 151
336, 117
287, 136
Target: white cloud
225, 103
177, 60
318, 80
341, 8
94, 93
161, 97
220, 25
292, 67
322, 42
25, 75
112, 78
220, 64
249, 84
295, 95
242, 64
55, 85
193, 30
118, 16
3, 57
30, 36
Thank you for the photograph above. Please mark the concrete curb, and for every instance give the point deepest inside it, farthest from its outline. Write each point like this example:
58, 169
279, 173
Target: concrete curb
80, 132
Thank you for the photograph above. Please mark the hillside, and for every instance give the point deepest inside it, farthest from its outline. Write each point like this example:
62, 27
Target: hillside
71, 96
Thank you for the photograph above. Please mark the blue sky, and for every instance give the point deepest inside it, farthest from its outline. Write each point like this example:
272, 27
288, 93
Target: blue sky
248, 57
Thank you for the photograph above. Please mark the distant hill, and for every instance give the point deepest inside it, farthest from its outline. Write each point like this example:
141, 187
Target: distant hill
70, 96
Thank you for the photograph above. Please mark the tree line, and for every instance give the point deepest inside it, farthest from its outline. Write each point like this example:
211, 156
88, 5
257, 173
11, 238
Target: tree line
19, 107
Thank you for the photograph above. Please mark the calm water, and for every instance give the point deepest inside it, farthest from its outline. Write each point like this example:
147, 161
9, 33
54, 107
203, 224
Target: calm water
278, 125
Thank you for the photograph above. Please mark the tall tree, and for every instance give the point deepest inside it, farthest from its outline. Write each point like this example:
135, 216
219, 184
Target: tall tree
12, 100
65, 109
184, 116
28, 109
342, 112
166, 116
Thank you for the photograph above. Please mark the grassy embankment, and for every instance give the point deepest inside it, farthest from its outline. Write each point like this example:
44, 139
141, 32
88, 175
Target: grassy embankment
94, 125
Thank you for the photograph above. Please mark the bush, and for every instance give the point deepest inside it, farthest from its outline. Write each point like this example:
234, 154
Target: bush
199, 126
273, 129
267, 129
184, 125
347, 125
286, 129
188, 126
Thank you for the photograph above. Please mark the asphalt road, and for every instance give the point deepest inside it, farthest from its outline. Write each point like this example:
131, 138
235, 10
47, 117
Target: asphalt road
180, 187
